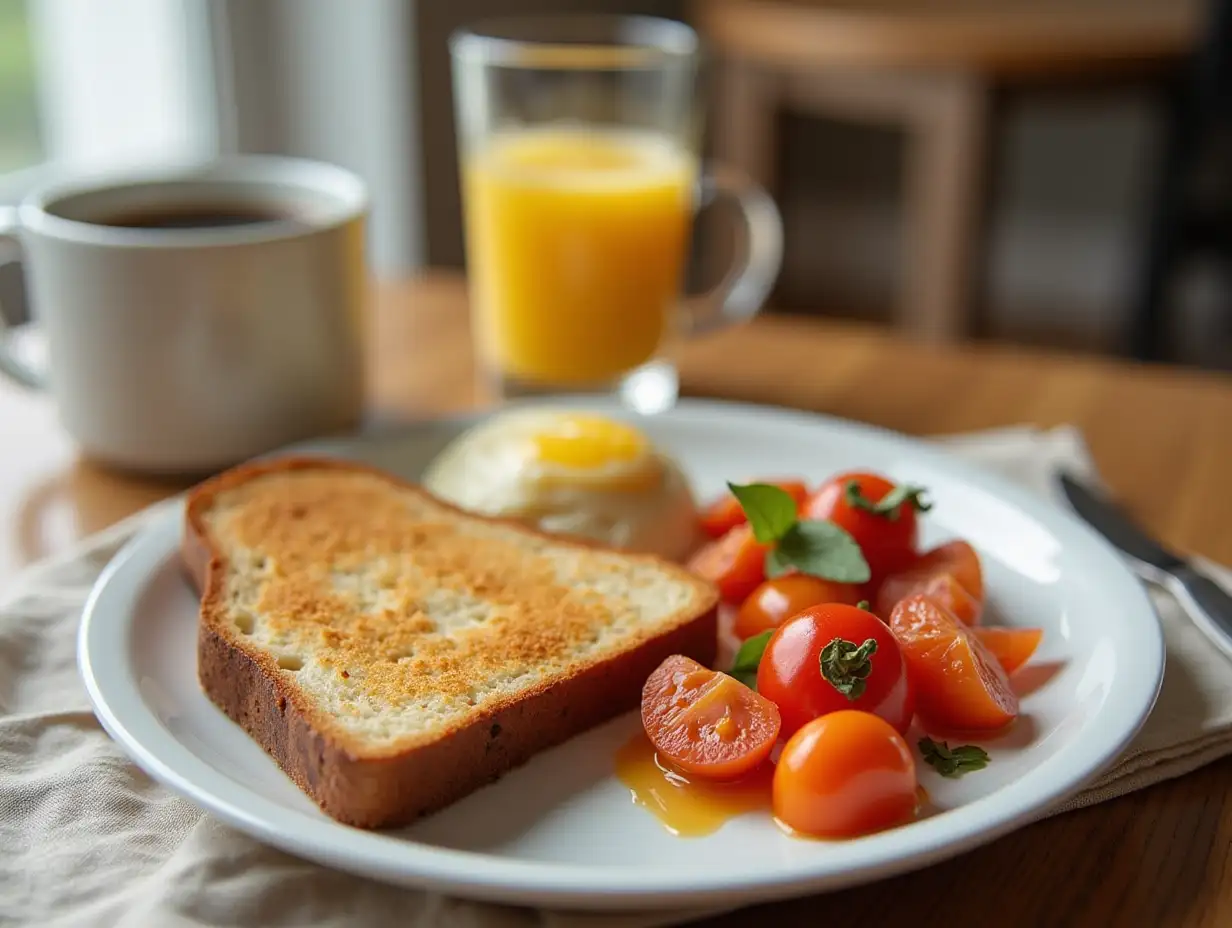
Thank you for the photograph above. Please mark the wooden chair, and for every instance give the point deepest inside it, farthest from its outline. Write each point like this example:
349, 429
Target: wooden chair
934, 69
1192, 209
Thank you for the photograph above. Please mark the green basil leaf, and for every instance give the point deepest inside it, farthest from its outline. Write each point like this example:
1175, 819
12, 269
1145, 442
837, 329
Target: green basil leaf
771, 512
776, 566
822, 549
744, 667
952, 763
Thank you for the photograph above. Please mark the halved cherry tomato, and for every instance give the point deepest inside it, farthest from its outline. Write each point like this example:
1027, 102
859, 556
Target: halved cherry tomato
707, 723
957, 558
843, 775
735, 563
959, 686
781, 598
1012, 647
725, 513
888, 541
943, 588
793, 675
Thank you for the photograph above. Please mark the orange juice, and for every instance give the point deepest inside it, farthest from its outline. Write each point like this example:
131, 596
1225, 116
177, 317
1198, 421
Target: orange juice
576, 243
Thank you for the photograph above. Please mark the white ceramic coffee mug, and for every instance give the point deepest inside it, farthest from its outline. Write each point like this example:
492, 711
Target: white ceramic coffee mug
194, 317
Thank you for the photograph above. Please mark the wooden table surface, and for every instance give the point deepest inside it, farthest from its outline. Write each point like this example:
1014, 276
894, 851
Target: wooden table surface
1162, 438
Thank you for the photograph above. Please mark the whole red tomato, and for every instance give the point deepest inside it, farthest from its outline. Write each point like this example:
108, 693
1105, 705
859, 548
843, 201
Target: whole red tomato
886, 535
834, 657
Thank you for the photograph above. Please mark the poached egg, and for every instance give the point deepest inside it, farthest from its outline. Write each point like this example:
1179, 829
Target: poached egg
571, 473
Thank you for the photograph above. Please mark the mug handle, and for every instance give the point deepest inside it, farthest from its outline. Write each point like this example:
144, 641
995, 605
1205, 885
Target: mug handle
14, 309
741, 293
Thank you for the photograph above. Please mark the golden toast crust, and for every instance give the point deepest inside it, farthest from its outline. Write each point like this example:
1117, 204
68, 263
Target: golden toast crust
394, 784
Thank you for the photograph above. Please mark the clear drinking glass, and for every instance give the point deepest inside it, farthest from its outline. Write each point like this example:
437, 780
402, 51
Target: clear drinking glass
579, 140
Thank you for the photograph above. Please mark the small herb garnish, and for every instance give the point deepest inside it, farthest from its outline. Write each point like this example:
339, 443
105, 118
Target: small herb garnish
811, 546
863, 604
952, 762
846, 665
890, 505
770, 510
822, 549
744, 667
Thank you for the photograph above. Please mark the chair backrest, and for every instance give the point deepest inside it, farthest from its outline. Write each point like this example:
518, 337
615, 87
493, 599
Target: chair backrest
1212, 63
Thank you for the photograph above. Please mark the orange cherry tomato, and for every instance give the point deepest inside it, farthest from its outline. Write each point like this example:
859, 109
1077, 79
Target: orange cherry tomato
735, 563
959, 686
781, 598
1012, 647
943, 588
888, 541
844, 775
794, 676
707, 723
725, 513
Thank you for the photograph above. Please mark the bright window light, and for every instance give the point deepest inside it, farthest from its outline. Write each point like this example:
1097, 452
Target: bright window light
88, 86
20, 143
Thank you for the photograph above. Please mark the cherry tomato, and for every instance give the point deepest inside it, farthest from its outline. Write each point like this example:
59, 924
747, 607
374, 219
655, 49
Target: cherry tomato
854, 675
957, 558
1012, 647
888, 541
781, 598
943, 588
844, 775
707, 723
959, 686
735, 563
725, 513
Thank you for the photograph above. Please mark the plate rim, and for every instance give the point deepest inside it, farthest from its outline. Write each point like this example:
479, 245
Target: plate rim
490, 876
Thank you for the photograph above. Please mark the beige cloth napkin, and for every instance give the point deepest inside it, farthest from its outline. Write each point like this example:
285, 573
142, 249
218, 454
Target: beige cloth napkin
86, 839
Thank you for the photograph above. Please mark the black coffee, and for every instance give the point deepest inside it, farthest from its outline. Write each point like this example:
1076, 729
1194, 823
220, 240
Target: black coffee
193, 217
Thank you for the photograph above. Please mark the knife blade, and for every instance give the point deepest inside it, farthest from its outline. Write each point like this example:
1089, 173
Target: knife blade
1114, 525
1207, 603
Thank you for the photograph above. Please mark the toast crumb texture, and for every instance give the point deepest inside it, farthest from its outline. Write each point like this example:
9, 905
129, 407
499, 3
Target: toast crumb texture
393, 653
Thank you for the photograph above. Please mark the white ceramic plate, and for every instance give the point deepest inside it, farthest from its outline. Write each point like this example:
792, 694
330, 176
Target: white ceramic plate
561, 831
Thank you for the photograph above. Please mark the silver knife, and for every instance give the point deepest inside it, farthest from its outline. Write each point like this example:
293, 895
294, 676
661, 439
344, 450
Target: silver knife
1204, 600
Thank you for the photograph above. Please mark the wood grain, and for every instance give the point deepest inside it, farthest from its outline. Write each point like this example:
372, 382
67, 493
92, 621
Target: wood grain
1018, 38
1162, 437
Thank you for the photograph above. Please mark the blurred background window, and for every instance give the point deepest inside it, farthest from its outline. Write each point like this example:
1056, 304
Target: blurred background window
20, 144
88, 86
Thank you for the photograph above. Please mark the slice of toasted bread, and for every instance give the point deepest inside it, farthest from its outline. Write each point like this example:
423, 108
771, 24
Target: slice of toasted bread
393, 653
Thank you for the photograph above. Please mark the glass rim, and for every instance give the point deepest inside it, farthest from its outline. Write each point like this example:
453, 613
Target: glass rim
576, 42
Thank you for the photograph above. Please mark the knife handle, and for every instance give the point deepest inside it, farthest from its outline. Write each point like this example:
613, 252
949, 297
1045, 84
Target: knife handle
1208, 596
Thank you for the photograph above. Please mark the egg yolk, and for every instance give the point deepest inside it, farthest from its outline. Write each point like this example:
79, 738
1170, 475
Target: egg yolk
588, 443
596, 452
